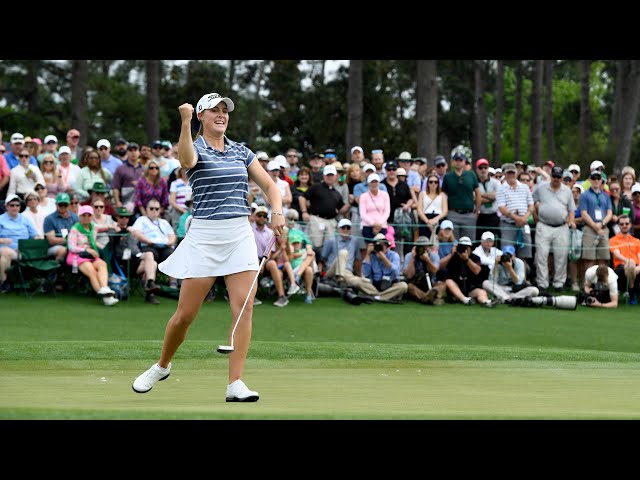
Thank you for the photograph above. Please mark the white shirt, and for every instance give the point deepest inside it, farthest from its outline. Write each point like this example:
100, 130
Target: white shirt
157, 231
488, 259
590, 279
23, 180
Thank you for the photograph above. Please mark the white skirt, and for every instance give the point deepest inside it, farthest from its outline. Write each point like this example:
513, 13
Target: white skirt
213, 248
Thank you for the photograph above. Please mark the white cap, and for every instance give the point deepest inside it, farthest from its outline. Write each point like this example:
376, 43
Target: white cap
446, 224
374, 177
11, 198
17, 138
329, 169
491, 170
465, 241
369, 167
103, 142
635, 188
380, 237
282, 161
401, 171
210, 100
498, 170
64, 149
577, 185
487, 236
262, 209
595, 164
343, 222
273, 165
50, 138
353, 149
567, 174
254, 205
404, 156
574, 166
262, 155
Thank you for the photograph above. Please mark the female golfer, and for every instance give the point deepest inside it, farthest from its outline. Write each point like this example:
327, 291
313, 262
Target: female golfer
219, 240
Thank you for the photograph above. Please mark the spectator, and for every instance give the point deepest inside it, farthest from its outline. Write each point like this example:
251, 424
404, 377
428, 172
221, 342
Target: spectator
309, 257
599, 166
151, 186
74, 205
5, 175
421, 167
83, 252
284, 169
17, 146
507, 281
181, 230
126, 177
126, 249
555, 209
45, 203
487, 252
99, 191
405, 161
341, 185
122, 150
145, 154
107, 160
73, 141
432, 208
293, 157
515, 202
316, 162
57, 226
627, 180
401, 200
374, 209
377, 159
263, 235
255, 193
567, 179
49, 147
69, 171
441, 166
34, 213
14, 226
24, 176
595, 209
600, 287
91, 172
179, 189
104, 225
488, 220
635, 195
52, 176
381, 266
300, 185
357, 155
420, 267
464, 197
167, 165
625, 250
340, 254
465, 274
282, 257
620, 205
274, 170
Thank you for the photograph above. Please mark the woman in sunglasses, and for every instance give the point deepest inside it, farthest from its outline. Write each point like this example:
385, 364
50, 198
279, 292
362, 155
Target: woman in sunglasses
53, 178
24, 176
151, 185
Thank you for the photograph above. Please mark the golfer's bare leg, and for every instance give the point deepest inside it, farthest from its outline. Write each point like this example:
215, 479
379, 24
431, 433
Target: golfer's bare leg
192, 295
238, 286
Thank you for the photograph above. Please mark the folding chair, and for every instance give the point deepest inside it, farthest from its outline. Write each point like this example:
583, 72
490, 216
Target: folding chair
34, 262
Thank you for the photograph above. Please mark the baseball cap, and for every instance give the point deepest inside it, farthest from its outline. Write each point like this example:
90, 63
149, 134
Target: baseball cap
344, 222
281, 161
420, 160
391, 164
353, 149
39, 184
458, 156
64, 149
488, 236
329, 169
531, 168
37, 141
574, 166
63, 197
580, 187
422, 240
121, 141
262, 155
596, 164
329, 151
123, 212
518, 162
498, 170
482, 161
404, 157
380, 238
491, 170
338, 166
401, 171
273, 165
85, 209
133, 146
595, 173
316, 155
510, 249
103, 142
369, 167
167, 144
465, 241
17, 138
509, 167
50, 138
99, 187
11, 198
439, 160
156, 143
374, 177
446, 224
296, 236
567, 174
210, 100
557, 171
262, 209
635, 188
550, 162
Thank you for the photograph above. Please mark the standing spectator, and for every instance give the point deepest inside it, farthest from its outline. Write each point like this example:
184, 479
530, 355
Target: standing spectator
121, 149
635, 195
57, 225
599, 166
488, 219
145, 154
432, 208
49, 147
627, 180
293, 157
381, 266
374, 209
567, 178
401, 200
341, 185
69, 171
420, 166
574, 168
555, 210
625, 250
14, 226
363, 186
167, 165
34, 213
464, 197
91, 172
357, 154
515, 202
52, 176
5, 175
377, 160
441, 166
284, 169
73, 141
274, 170
126, 178
420, 267
151, 185
316, 162
353, 178
595, 209
179, 189
107, 160
620, 205
404, 160
24, 176
300, 185
17, 146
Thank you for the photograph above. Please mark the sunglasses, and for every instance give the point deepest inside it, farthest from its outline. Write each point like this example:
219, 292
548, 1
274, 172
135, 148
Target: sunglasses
567, 179
458, 159
376, 151
626, 224
39, 188
63, 205
103, 148
98, 206
261, 215
391, 169
153, 208
595, 177
154, 168
556, 176
346, 227
75, 203
441, 165
575, 172
51, 142
24, 156
48, 161
434, 181
13, 205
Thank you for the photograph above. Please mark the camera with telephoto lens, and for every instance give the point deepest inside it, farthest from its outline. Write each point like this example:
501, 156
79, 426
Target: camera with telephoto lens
590, 300
377, 247
505, 257
461, 249
420, 250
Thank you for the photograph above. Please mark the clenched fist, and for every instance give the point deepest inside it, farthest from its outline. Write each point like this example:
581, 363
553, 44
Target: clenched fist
186, 111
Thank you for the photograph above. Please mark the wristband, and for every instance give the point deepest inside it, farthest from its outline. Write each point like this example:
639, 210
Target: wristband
276, 213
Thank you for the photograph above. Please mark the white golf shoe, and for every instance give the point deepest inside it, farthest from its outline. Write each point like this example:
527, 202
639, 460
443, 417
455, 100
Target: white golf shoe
148, 379
238, 392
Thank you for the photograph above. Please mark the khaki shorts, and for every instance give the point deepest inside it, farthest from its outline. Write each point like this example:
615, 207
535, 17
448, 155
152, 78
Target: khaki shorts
591, 251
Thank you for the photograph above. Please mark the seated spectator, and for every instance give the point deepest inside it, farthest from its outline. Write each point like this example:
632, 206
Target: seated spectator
151, 185
507, 281
625, 250
281, 257
104, 225
69, 171
33, 211
126, 249
99, 191
309, 257
57, 226
74, 204
381, 267
155, 234
465, 274
600, 287
53, 178
340, 254
179, 189
45, 203
301, 263
420, 266
83, 252
181, 228
24, 176
263, 235
14, 226
91, 172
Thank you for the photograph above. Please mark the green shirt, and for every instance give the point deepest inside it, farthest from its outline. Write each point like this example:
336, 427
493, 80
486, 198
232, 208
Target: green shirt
460, 190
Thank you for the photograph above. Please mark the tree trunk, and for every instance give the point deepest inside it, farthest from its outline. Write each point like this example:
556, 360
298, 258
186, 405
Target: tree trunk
232, 75
32, 96
479, 130
518, 114
253, 110
79, 86
427, 109
585, 108
152, 122
628, 114
497, 122
535, 127
618, 103
548, 80
355, 105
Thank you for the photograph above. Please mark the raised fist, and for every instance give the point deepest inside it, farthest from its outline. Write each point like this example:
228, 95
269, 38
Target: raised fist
186, 111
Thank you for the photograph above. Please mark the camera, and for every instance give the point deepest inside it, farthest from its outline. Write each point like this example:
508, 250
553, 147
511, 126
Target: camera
505, 257
461, 249
590, 300
377, 247
420, 250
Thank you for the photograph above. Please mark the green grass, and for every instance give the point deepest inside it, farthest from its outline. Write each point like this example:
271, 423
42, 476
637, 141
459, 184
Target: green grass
72, 358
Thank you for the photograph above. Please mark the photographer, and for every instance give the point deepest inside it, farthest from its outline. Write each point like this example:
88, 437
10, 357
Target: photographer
465, 274
381, 266
600, 287
420, 266
507, 281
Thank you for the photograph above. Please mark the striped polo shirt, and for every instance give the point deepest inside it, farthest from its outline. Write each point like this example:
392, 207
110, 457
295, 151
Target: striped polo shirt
219, 180
515, 200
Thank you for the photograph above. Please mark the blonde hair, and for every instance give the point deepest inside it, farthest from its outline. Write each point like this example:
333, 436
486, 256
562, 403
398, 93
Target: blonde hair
146, 172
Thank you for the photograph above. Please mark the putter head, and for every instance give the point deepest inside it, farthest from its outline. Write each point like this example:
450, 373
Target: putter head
224, 349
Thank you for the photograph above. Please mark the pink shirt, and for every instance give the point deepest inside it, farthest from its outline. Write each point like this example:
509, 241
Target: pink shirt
374, 208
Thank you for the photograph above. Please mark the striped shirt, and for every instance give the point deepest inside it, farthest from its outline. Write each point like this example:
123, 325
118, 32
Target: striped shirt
219, 180
515, 200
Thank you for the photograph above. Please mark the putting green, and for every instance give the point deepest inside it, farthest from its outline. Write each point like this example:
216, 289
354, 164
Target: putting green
325, 389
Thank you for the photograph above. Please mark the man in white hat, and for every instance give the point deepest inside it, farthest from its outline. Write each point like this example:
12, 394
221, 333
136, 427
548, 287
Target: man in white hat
109, 162
357, 154
339, 255
380, 270
413, 178
49, 146
274, 170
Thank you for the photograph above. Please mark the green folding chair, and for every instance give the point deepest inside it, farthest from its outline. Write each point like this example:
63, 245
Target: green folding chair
34, 262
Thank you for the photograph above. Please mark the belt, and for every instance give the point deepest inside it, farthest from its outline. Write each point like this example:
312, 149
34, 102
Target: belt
462, 210
326, 218
555, 226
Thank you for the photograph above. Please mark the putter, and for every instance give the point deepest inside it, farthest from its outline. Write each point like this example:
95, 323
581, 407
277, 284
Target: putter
229, 348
